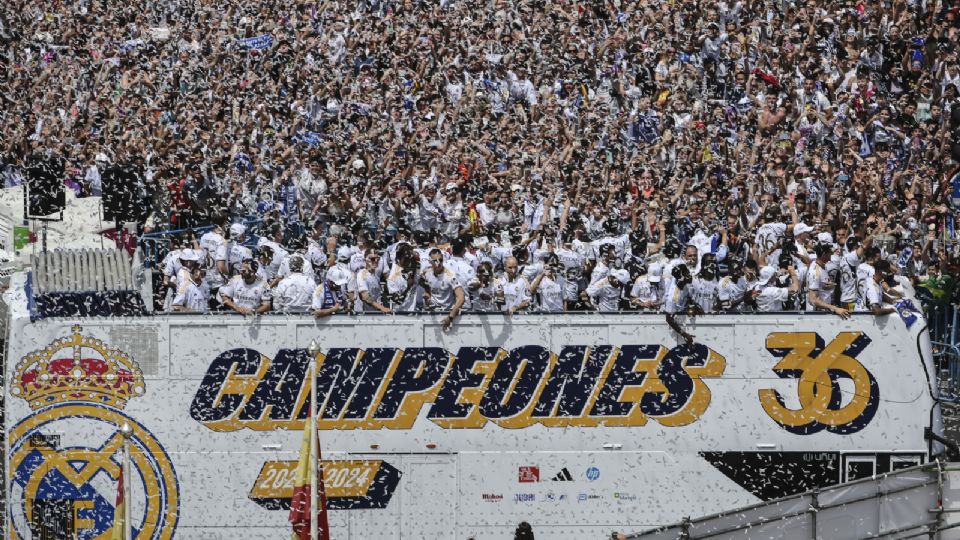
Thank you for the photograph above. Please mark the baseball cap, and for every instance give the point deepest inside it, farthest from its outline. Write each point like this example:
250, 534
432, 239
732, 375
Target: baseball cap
343, 254
451, 185
654, 273
237, 230
338, 276
766, 274
100, 158
802, 228
189, 255
621, 275
825, 238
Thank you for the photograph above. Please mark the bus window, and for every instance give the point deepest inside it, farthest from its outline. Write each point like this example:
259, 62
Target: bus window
860, 467
904, 462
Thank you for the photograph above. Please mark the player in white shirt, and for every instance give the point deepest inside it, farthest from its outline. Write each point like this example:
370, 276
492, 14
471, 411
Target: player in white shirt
703, 290
848, 264
294, 293
445, 291
246, 294
549, 287
211, 241
461, 267
608, 291
483, 289
607, 256
676, 299
513, 290
873, 295
820, 288
771, 297
332, 296
402, 283
191, 297
232, 253
646, 293
369, 290
733, 288
271, 259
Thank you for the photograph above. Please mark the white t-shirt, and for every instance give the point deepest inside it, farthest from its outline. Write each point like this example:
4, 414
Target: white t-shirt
294, 293
233, 254
551, 294
397, 283
442, 287
606, 295
211, 242
729, 291
192, 297
818, 281
514, 292
675, 299
368, 282
249, 296
645, 291
704, 293
871, 294
769, 234
772, 298
483, 297
848, 277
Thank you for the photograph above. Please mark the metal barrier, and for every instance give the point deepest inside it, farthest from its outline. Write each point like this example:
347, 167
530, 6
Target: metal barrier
907, 503
943, 322
155, 246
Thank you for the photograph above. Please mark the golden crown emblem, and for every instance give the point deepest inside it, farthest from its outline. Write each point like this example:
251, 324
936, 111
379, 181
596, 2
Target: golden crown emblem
91, 372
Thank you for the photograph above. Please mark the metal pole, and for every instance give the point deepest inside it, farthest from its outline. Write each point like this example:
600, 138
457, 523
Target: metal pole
314, 466
126, 431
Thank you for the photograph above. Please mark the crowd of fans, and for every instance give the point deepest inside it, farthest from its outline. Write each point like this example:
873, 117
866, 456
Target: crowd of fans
532, 155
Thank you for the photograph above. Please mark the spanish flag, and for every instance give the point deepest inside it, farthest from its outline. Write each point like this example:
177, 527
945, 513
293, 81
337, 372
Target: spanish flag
300, 510
118, 524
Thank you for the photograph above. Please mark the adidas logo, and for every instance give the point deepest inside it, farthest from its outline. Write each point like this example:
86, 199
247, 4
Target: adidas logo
563, 476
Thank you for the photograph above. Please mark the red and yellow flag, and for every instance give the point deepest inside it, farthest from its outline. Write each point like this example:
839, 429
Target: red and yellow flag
118, 512
300, 503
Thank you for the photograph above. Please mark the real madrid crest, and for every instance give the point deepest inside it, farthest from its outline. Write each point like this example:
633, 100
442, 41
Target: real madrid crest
65, 457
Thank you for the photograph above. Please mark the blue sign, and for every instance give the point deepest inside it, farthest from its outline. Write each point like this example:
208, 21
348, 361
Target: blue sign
904, 258
908, 312
593, 473
256, 43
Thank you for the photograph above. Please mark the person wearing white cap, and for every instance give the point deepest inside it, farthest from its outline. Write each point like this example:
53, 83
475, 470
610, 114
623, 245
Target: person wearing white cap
191, 295
189, 259
646, 293
771, 297
332, 295
607, 292
802, 233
